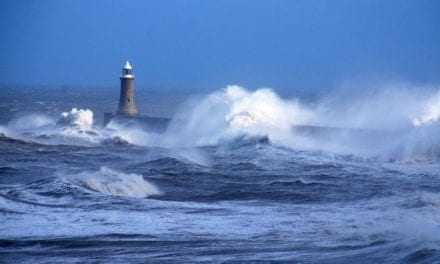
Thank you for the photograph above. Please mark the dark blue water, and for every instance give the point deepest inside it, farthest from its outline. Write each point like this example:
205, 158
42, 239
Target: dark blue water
109, 195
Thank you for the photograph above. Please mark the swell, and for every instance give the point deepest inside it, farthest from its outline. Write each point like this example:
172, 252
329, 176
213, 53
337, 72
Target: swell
138, 247
14, 141
246, 181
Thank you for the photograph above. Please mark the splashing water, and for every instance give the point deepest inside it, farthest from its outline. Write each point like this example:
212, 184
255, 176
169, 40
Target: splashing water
78, 118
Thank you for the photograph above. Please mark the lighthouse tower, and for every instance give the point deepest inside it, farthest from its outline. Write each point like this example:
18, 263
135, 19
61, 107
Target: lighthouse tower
128, 113
127, 106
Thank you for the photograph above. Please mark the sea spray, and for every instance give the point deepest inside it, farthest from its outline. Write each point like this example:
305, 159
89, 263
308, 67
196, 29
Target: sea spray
132, 134
430, 112
31, 122
381, 107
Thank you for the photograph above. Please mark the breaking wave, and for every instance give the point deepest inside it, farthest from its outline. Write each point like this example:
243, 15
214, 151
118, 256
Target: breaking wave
111, 182
63, 189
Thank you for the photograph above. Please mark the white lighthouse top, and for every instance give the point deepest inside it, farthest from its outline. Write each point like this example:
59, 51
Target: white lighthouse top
127, 71
127, 65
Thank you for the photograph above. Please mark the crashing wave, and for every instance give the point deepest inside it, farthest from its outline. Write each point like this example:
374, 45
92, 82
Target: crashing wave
234, 112
75, 127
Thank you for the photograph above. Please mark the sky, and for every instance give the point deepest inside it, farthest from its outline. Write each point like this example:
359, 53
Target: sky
198, 45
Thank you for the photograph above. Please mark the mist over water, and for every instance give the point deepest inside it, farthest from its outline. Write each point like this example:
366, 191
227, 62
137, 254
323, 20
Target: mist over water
238, 175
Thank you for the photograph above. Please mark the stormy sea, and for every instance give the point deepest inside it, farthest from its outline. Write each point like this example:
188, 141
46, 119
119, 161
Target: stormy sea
239, 175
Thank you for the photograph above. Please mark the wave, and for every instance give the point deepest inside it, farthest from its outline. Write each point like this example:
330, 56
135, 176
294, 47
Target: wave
6, 139
111, 182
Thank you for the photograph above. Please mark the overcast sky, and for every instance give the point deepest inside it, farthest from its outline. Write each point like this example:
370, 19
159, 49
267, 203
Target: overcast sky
204, 45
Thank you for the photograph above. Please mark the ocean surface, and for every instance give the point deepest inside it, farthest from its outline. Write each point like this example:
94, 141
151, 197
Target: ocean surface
232, 180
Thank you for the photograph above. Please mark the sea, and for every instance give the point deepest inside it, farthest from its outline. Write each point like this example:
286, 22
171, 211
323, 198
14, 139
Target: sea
240, 176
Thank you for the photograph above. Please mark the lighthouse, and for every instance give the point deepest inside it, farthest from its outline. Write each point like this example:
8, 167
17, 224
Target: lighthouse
127, 106
127, 113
